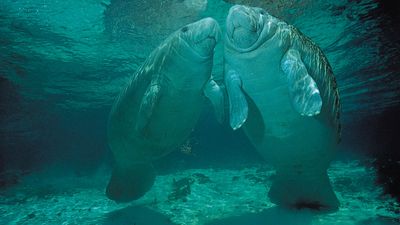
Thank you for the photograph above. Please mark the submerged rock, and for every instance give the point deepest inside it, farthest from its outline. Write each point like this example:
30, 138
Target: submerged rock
181, 189
31, 216
201, 178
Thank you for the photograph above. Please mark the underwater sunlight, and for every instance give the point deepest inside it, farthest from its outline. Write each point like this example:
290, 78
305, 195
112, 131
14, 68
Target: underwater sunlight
199, 112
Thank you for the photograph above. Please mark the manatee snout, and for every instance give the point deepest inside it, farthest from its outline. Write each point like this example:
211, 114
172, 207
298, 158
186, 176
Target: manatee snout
243, 26
203, 36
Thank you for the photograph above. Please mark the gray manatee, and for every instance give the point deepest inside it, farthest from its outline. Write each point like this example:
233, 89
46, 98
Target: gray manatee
160, 106
282, 91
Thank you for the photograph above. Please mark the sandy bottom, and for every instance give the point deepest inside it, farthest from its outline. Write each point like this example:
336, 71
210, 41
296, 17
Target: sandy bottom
193, 197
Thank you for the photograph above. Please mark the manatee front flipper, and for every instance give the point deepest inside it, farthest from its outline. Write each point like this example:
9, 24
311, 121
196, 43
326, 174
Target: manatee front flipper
238, 107
131, 183
304, 93
149, 101
216, 96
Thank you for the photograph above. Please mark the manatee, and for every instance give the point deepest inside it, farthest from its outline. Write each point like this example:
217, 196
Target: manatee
160, 106
282, 92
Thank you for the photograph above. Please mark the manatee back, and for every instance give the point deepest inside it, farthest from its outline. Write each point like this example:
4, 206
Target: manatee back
320, 70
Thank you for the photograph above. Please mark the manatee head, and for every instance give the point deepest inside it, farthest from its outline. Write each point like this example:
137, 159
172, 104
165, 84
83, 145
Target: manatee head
248, 27
190, 52
201, 37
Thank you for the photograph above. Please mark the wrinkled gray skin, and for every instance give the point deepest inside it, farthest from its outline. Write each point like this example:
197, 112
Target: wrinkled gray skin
158, 109
283, 94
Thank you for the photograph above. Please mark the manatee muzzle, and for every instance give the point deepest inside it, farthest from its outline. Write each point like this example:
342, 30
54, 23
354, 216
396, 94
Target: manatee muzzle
243, 26
205, 35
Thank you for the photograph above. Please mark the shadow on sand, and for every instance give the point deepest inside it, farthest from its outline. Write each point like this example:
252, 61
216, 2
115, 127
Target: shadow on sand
274, 215
135, 215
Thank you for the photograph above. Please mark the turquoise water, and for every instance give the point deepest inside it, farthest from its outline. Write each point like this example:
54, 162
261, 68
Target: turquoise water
62, 63
217, 197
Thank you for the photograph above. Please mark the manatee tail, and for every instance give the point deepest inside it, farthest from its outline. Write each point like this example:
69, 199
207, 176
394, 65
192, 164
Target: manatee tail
127, 184
305, 189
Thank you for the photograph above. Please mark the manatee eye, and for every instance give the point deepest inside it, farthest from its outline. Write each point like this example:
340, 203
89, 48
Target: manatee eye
184, 29
262, 12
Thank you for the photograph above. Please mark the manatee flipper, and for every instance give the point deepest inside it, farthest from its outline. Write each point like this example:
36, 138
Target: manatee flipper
127, 184
149, 101
303, 189
304, 93
238, 107
216, 96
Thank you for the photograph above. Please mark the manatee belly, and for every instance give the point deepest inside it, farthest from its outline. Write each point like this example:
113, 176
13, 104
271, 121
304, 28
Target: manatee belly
170, 124
300, 149
281, 135
173, 121
307, 144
